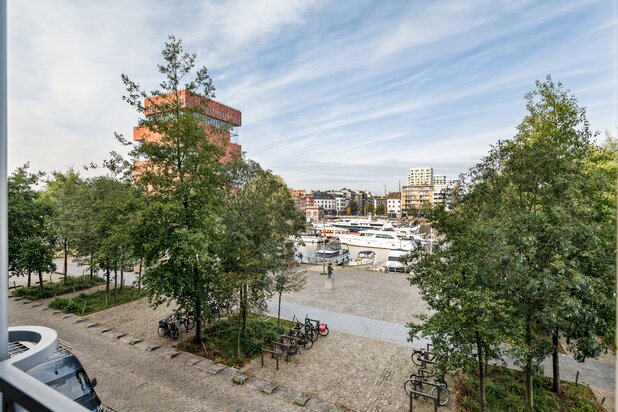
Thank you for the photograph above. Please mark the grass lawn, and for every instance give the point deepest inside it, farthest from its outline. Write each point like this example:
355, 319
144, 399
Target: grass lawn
220, 339
505, 390
72, 284
85, 304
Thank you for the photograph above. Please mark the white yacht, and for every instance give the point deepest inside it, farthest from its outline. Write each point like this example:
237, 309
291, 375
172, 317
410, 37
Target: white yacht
380, 239
334, 256
307, 238
363, 258
357, 225
393, 263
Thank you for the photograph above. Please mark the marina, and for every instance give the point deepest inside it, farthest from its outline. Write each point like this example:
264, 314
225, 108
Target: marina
375, 245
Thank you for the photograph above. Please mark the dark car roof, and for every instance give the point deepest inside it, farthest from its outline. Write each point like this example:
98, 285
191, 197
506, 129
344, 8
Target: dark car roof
60, 363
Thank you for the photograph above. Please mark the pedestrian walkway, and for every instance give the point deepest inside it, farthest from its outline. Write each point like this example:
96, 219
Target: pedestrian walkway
596, 373
356, 325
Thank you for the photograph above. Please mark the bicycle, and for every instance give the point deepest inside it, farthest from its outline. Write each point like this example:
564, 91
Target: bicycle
169, 327
422, 357
320, 328
291, 349
185, 319
305, 339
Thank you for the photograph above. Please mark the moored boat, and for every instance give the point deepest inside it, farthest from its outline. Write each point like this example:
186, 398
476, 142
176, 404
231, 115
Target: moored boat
333, 256
380, 239
363, 258
393, 263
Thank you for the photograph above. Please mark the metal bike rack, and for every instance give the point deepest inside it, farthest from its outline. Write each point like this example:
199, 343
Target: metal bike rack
415, 391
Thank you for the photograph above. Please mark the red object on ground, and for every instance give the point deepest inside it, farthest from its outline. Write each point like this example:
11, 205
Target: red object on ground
322, 327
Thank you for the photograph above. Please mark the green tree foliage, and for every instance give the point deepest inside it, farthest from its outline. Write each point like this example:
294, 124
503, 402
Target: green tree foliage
557, 236
381, 209
287, 277
459, 281
534, 220
31, 241
259, 215
352, 208
369, 207
179, 225
113, 207
64, 192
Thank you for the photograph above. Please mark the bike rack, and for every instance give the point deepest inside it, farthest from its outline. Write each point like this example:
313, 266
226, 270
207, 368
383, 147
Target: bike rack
414, 391
273, 353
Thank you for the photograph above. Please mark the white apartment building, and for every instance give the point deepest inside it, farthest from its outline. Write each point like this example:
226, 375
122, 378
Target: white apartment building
324, 200
420, 176
341, 203
393, 204
439, 188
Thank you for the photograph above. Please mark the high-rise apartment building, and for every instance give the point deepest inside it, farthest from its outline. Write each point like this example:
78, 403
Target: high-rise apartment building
420, 176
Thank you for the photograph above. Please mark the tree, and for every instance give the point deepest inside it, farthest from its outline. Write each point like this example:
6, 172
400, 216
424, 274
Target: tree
560, 265
352, 208
459, 282
178, 169
541, 206
287, 278
31, 242
112, 206
369, 207
381, 209
259, 215
64, 192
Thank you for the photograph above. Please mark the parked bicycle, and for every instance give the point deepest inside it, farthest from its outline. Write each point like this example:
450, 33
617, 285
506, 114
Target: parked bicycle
317, 328
169, 326
422, 357
299, 330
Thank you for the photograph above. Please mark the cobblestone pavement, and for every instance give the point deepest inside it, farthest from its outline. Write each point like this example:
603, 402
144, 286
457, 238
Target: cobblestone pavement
133, 380
137, 318
376, 295
352, 372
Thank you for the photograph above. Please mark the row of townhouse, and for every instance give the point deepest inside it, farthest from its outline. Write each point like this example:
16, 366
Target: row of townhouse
332, 202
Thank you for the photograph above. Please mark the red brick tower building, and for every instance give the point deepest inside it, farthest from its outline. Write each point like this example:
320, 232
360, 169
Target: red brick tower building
224, 121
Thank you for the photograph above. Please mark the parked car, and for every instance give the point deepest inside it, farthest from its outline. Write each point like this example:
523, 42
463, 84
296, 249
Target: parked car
64, 372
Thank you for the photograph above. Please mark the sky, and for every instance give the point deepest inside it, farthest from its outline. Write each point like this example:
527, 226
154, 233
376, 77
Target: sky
333, 93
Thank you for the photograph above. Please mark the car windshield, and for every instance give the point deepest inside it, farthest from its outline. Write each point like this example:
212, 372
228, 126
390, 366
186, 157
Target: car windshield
74, 385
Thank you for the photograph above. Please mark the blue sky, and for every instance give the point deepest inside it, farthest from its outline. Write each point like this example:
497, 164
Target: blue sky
333, 93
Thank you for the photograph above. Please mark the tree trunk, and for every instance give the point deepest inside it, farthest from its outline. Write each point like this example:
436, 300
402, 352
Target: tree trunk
29, 277
279, 308
139, 279
121, 273
198, 321
556, 363
41, 280
482, 371
245, 308
107, 285
66, 259
115, 283
529, 394
239, 325
199, 289
91, 268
